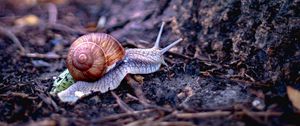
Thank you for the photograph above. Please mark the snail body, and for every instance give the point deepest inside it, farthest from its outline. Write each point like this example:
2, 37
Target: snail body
135, 61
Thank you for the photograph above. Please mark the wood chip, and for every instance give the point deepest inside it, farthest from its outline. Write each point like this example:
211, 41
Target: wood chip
294, 96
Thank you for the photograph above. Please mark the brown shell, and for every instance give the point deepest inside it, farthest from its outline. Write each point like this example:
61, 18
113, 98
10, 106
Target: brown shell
91, 54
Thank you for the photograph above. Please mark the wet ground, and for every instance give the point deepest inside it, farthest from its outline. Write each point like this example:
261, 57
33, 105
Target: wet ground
232, 68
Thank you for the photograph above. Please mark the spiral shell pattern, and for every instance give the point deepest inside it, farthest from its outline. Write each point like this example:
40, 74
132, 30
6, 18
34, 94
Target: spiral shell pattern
90, 55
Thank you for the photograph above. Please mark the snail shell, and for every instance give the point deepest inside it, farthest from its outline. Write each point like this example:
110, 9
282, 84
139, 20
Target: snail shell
91, 55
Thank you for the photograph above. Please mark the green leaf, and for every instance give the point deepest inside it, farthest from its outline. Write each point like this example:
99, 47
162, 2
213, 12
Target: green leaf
63, 81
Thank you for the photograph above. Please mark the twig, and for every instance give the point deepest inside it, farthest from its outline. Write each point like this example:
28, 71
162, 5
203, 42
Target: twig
65, 28
18, 94
49, 101
224, 113
150, 106
152, 122
131, 96
237, 80
44, 56
52, 11
118, 26
52, 21
141, 122
159, 108
251, 78
175, 123
167, 116
260, 113
202, 114
137, 90
51, 24
122, 115
23, 52
253, 116
13, 37
122, 104
140, 95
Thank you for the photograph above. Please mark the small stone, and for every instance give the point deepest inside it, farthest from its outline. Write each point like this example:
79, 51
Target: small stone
258, 104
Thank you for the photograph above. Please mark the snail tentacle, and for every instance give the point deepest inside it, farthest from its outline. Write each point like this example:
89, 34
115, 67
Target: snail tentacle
156, 45
164, 50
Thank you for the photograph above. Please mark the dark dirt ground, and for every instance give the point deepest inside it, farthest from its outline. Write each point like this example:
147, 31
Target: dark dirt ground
233, 67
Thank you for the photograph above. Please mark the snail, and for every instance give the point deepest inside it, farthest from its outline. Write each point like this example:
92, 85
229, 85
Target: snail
115, 61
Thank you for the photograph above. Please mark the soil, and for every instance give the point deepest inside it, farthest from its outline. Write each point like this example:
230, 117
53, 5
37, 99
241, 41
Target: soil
232, 68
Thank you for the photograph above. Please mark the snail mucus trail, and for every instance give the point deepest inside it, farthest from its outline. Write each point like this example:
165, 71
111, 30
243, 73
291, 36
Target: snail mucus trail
136, 61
